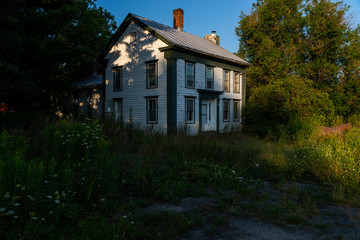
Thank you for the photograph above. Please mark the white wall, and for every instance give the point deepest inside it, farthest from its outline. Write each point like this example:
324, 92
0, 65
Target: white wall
183, 92
132, 56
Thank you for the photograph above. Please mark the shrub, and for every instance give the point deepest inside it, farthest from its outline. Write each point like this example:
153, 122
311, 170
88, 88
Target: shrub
277, 104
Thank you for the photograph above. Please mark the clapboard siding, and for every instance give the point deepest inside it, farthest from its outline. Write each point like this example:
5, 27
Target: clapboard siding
183, 92
230, 125
133, 57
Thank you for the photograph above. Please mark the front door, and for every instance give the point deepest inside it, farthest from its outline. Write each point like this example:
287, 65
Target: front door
208, 115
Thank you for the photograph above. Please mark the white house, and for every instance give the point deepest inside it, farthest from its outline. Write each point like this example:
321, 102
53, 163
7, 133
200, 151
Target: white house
168, 80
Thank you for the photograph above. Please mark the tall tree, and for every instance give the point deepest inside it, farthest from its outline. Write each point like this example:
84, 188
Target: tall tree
304, 41
270, 39
44, 44
324, 39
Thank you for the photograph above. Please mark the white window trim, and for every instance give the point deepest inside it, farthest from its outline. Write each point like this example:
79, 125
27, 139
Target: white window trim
186, 76
147, 74
186, 109
228, 101
148, 109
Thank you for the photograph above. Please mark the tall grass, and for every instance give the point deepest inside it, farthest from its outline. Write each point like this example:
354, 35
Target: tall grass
67, 170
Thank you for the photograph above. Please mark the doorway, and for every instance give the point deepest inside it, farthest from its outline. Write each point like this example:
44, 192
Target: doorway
208, 115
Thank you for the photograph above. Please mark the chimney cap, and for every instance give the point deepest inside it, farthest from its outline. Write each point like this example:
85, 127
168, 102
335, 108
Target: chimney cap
178, 9
213, 32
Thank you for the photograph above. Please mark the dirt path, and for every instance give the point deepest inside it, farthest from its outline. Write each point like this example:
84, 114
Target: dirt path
329, 222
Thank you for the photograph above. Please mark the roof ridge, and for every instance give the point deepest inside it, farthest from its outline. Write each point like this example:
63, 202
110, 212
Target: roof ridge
190, 41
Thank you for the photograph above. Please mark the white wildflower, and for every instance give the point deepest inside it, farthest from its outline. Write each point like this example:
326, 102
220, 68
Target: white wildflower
132, 222
57, 201
35, 218
103, 199
124, 216
48, 196
256, 165
2, 209
15, 216
16, 204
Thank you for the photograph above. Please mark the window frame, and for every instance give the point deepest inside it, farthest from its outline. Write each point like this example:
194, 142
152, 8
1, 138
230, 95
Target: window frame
186, 75
193, 110
148, 86
117, 72
240, 76
224, 80
148, 99
236, 117
228, 110
133, 37
206, 78
119, 102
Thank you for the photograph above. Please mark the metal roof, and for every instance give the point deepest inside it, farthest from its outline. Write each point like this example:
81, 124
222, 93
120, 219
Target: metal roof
92, 81
190, 41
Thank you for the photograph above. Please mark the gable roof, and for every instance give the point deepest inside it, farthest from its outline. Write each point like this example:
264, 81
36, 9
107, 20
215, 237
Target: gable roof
177, 39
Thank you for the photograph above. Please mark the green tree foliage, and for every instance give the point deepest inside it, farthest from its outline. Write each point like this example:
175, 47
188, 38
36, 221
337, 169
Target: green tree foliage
274, 105
46, 43
270, 39
305, 60
324, 38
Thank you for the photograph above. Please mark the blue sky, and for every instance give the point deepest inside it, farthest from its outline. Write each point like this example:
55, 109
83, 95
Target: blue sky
200, 17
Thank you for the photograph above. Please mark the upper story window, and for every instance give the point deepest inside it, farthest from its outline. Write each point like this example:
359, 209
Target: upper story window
236, 110
151, 109
209, 77
237, 82
226, 110
151, 74
190, 75
190, 109
117, 78
226, 84
132, 37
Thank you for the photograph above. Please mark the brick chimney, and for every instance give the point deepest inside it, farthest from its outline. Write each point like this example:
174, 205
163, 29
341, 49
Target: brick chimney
179, 19
213, 38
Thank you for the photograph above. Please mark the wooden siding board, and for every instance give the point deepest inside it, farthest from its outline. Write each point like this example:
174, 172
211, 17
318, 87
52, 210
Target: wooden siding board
132, 56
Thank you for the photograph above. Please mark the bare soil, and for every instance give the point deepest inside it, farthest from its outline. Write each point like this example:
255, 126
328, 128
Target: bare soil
330, 221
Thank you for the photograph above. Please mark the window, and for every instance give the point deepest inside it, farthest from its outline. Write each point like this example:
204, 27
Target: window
151, 75
226, 110
118, 110
117, 78
190, 110
236, 110
190, 75
226, 83
132, 37
151, 109
209, 75
237, 82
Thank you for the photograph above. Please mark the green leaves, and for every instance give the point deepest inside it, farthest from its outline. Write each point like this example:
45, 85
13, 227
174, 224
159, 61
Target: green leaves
307, 54
45, 45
